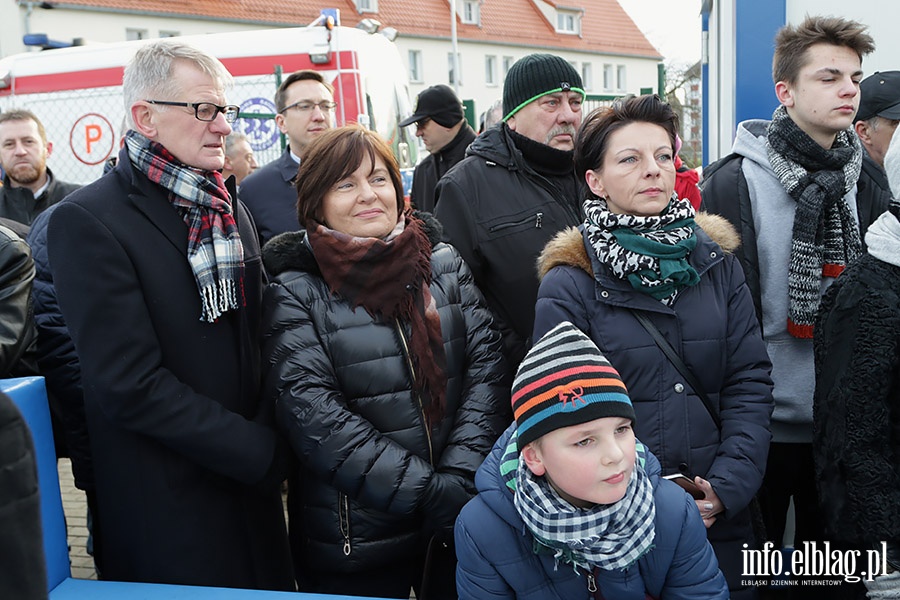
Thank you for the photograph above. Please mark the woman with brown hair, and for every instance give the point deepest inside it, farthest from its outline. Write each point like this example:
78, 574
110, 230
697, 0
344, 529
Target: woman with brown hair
386, 372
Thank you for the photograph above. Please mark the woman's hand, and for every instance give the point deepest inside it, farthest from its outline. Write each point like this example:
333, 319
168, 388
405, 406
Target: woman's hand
710, 505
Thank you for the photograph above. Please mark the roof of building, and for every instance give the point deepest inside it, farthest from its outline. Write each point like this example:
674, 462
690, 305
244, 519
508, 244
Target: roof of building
606, 27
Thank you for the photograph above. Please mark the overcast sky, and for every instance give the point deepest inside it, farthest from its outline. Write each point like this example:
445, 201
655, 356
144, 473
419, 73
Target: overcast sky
672, 26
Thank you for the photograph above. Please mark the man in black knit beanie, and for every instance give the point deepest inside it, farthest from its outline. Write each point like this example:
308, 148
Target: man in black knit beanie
515, 190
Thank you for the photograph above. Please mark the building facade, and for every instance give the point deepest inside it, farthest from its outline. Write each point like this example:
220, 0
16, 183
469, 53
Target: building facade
596, 36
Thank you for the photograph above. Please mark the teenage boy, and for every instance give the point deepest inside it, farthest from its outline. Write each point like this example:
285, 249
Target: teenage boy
790, 188
570, 474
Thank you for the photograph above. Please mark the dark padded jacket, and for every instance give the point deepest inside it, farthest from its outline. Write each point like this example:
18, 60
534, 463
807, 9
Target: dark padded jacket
19, 204
17, 333
500, 213
724, 191
340, 379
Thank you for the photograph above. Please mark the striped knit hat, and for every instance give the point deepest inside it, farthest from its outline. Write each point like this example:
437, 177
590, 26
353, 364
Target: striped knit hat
565, 380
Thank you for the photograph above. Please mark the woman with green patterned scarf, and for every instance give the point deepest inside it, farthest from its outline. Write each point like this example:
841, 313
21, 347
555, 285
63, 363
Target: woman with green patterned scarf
643, 269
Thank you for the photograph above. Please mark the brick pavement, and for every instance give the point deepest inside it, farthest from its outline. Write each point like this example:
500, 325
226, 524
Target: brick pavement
75, 508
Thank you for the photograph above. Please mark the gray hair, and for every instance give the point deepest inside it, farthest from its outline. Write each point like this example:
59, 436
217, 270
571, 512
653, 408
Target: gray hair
149, 73
232, 139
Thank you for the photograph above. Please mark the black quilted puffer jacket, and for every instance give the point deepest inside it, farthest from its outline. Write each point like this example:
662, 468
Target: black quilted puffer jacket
344, 397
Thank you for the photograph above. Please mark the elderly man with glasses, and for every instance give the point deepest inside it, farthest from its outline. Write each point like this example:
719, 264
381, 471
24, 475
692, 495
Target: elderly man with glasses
159, 279
305, 107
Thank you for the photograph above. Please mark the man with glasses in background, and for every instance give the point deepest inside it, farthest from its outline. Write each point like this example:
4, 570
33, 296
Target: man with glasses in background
304, 104
158, 275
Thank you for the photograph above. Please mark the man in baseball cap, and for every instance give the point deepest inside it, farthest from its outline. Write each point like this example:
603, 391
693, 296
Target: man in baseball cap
441, 124
515, 189
876, 120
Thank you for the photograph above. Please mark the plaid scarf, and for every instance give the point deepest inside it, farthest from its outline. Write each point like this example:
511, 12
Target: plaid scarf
214, 247
606, 536
825, 235
651, 253
391, 279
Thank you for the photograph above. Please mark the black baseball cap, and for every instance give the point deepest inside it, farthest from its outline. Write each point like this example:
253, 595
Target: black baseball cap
879, 96
438, 103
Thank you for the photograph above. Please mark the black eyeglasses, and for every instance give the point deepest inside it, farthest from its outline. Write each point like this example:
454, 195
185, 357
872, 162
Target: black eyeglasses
421, 123
205, 111
326, 106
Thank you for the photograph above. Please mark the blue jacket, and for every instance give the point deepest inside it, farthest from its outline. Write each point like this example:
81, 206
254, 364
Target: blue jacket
713, 327
271, 198
56, 356
497, 558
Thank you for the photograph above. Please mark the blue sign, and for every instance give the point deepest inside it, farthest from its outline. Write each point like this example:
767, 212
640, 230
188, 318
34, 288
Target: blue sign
261, 132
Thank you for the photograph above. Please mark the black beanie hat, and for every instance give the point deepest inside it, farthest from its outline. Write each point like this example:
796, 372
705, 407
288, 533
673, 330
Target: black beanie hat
537, 75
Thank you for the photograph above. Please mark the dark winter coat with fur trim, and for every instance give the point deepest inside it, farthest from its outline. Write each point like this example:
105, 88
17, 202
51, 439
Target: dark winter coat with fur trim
344, 396
856, 441
714, 328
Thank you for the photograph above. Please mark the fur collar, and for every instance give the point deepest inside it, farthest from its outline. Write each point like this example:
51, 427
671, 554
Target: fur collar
567, 247
290, 252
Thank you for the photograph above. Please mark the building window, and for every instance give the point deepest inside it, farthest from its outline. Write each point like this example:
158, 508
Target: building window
508, 62
568, 22
608, 77
415, 65
490, 70
451, 71
471, 12
587, 76
168, 34
135, 34
367, 5
620, 78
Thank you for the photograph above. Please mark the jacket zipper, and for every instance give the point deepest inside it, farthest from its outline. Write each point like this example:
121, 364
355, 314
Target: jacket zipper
538, 222
344, 518
412, 374
592, 583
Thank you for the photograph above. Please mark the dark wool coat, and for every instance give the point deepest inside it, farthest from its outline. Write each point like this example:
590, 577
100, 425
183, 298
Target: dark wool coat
341, 382
271, 197
713, 328
856, 414
497, 559
500, 213
180, 440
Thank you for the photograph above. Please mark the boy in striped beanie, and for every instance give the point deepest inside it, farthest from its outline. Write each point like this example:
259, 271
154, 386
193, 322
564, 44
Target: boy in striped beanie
568, 484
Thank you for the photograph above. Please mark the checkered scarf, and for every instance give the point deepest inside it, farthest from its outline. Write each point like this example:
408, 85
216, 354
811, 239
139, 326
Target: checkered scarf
651, 253
214, 248
825, 235
606, 536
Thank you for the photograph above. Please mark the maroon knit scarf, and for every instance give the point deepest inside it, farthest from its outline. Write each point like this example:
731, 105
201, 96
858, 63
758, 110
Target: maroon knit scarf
391, 279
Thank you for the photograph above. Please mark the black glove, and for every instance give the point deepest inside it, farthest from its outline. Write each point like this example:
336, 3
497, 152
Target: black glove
444, 497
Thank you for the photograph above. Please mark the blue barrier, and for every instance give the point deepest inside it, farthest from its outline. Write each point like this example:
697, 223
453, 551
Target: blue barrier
30, 396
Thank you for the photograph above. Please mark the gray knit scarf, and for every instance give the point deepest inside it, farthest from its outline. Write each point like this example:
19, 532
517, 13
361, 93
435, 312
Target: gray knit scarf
826, 235
606, 536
